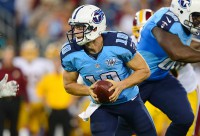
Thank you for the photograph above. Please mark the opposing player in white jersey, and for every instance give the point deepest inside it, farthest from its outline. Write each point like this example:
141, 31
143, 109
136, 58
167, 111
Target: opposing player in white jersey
139, 20
99, 55
34, 67
196, 45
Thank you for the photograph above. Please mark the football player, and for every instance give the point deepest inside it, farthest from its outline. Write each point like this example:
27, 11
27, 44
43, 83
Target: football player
160, 120
97, 54
185, 74
34, 67
165, 38
139, 20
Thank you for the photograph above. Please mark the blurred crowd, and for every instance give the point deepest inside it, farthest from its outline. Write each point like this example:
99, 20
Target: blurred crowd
35, 31
45, 21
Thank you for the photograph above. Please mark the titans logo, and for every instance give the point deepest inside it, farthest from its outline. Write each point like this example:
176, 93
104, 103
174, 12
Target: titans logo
184, 3
98, 16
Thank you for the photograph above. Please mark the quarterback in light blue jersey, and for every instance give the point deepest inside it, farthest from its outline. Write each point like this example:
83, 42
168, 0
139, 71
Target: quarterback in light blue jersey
164, 39
108, 64
95, 54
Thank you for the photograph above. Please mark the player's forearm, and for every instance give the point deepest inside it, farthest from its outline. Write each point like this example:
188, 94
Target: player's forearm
188, 55
137, 77
195, 44
77, 89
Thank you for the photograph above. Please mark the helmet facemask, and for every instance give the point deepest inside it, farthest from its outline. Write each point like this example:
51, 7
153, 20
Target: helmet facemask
80, 36
188, 13
193, 24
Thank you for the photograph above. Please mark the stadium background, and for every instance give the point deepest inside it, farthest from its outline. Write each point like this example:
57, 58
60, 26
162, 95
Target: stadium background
44, 22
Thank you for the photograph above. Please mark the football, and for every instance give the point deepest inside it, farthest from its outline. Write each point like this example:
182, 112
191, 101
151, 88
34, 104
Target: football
101, 90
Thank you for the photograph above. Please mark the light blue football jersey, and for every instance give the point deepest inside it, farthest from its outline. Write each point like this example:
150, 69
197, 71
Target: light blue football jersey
157, 59
118, 49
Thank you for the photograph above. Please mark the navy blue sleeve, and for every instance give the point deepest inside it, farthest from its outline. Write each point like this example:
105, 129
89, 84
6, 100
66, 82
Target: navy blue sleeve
66, 57
119, 39
167, 21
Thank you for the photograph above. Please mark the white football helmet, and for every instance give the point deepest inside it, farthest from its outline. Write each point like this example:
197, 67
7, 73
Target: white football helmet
89, 17
188, 12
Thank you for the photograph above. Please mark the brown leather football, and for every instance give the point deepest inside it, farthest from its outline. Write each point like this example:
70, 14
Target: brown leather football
101, 90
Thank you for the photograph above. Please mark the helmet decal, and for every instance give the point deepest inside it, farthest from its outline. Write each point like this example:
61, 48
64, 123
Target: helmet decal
184, 3
98, 16
75, 14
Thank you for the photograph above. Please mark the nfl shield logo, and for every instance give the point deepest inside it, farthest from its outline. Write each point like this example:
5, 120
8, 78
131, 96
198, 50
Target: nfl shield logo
97, 65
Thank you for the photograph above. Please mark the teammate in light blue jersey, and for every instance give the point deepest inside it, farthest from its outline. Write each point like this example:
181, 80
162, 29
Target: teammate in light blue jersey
96, 55
158, 59
164, 39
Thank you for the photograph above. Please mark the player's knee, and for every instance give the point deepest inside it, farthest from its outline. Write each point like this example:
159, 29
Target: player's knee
97, 127
185, 119
189, 119
100, 129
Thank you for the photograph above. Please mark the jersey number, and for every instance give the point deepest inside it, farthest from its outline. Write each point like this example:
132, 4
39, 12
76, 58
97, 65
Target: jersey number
166, 64
122, 38
109, 75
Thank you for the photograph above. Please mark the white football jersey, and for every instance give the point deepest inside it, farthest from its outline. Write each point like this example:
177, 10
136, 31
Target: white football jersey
34, 71
197, 72
187, 77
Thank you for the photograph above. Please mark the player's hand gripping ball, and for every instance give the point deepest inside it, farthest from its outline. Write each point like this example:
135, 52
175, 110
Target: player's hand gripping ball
101, 90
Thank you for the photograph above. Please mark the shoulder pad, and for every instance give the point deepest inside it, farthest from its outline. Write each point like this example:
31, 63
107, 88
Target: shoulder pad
167, 20
68, 48
120, 39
